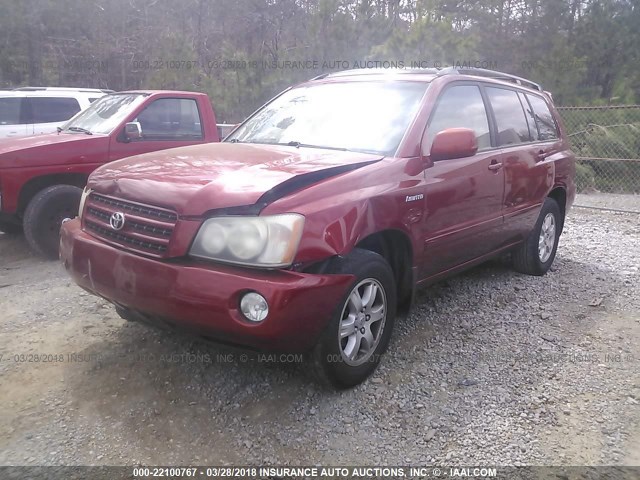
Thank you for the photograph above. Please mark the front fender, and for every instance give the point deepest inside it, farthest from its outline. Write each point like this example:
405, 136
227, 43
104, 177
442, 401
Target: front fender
342, 211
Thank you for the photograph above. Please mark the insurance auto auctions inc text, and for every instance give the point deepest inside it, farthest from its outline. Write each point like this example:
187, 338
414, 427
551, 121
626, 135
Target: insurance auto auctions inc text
376, 472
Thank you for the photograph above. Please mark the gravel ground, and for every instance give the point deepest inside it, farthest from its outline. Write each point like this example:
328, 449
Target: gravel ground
492, 367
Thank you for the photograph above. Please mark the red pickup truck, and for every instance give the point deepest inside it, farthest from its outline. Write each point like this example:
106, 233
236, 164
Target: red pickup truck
312, 225
41, 177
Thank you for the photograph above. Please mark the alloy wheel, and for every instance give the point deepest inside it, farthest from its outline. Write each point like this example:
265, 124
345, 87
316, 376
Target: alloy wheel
547, 238
362, 322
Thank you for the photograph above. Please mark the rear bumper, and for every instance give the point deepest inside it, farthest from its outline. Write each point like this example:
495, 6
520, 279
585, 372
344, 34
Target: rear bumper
204, 298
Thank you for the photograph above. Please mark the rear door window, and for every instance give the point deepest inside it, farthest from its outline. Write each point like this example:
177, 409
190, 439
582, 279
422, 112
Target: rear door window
547, 128
460, 106
53, 109
11, 111
512, 126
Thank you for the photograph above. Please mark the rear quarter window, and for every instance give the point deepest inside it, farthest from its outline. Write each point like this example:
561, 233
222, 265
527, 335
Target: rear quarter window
53, 109
547, 128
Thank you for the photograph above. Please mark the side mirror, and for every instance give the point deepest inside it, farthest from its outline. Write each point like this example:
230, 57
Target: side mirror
132, 131
454, 143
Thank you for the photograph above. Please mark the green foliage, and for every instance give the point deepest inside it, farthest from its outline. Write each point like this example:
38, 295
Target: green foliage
436, 43
174, 67
585, 52
606, 133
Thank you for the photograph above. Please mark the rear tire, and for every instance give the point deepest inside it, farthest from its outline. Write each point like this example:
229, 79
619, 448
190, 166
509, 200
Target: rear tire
10, 228
350, 348
535, 256
45, 214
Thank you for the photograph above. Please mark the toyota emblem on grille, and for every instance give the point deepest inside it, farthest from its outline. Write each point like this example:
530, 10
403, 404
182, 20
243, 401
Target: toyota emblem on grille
117, 221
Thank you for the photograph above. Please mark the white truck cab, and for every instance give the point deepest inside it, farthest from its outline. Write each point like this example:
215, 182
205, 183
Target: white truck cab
37, 110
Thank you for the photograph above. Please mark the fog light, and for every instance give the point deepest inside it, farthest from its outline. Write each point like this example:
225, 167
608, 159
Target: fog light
254, 307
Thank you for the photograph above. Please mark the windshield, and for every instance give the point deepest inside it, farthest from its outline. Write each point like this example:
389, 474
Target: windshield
104, 114
359, 116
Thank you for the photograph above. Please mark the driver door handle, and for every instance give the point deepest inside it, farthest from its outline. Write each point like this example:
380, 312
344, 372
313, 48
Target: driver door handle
494, 166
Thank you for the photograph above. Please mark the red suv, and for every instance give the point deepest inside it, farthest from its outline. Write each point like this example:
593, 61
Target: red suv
310, 227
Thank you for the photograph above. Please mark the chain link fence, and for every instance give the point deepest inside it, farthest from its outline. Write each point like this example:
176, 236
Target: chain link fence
606, 141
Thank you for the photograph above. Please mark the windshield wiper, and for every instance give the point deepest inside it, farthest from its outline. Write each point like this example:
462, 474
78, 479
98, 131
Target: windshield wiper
299, 144
235, 140
79, 129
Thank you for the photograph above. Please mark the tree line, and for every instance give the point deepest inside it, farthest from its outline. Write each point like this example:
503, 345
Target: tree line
243, 52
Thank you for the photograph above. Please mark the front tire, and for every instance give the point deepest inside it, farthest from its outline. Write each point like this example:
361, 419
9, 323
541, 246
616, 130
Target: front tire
360, 329
45, 214
535, 256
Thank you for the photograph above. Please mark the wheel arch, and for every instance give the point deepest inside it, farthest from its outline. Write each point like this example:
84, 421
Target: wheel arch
392, 245
396, 248
559, 194
36, 184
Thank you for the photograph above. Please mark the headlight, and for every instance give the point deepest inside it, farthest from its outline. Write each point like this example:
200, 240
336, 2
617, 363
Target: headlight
83, 199
270, 241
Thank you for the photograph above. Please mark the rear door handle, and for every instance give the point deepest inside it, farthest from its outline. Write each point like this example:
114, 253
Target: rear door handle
542, 155
495, 166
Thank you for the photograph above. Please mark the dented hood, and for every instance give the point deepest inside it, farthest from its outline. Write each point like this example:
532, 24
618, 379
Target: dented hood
193, 180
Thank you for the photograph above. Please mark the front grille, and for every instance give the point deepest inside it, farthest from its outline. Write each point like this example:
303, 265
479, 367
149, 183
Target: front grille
146, 229
151, 212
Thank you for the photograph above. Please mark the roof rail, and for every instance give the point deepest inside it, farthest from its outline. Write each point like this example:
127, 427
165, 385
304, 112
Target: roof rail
61, 89
483, 72
478, 72
376, 71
